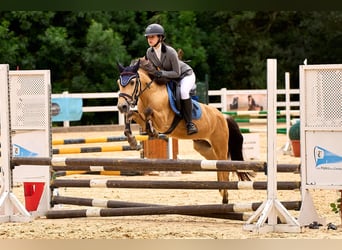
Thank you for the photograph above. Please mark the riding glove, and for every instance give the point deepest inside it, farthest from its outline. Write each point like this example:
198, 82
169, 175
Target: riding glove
158, 74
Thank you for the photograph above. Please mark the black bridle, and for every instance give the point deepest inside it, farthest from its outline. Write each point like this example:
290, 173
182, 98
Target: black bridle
132, 100
125, 78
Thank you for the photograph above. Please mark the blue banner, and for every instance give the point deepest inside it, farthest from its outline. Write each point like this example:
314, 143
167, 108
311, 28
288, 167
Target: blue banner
66, 109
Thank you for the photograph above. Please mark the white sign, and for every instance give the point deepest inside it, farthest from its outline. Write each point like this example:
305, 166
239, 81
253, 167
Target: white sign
251, 146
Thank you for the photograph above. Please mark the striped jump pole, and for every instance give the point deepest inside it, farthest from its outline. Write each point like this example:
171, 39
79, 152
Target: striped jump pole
70, 172
256, 130
138, 164
212, 211
229, 185
282, 168
78, 150
257, 120
102, 139
259, 113
224, 211
237, 207
97, 202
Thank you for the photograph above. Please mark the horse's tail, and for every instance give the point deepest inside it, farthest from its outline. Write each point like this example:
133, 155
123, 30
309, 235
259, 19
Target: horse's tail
235, 143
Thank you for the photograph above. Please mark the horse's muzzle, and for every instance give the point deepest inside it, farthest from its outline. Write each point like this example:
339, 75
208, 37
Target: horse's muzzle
123, 107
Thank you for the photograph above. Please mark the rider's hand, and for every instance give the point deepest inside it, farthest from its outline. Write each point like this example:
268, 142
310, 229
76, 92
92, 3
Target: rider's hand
158, 74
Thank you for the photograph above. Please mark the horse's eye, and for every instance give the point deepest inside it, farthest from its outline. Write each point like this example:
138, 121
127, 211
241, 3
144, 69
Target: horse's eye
131, 82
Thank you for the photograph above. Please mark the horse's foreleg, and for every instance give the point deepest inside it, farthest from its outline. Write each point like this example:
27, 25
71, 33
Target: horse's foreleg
149, 124
133, 115
128, 132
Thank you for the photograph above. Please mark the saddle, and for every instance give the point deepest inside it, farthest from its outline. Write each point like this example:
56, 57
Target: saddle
173, 90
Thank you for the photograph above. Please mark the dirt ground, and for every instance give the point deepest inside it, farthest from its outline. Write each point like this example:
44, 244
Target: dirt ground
169, 226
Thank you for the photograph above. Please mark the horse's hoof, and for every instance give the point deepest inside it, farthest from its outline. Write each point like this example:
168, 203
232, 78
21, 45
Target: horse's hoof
154, 135
224, 201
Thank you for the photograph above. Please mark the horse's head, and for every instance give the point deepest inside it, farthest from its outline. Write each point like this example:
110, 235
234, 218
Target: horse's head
129, 85
134, 80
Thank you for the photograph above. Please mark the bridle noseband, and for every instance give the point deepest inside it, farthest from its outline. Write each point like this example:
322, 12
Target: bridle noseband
125, 78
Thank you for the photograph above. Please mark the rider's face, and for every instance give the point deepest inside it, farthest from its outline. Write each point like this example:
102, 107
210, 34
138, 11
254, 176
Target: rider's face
152, 40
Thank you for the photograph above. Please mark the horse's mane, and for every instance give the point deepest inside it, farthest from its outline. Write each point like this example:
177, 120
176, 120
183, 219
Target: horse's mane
150, 69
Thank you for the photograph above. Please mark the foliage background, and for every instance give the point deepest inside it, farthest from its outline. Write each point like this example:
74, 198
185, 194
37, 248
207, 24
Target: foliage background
82, 48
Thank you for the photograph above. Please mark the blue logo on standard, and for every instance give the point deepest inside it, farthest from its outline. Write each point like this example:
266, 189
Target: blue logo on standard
22, 152
326, 159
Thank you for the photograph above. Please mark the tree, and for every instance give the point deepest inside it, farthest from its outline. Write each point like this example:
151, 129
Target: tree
81, 48
103, 50
9, 44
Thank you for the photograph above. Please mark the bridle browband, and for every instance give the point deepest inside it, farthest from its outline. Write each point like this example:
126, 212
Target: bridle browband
125, 78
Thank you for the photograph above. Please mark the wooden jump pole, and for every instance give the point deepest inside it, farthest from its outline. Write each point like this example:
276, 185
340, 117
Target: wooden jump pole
230, 185
116, 164
282, 168
97, 202
139, 211
224, 211
236, 207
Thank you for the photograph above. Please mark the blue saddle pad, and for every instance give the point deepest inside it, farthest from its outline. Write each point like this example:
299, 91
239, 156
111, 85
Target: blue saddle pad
196, 108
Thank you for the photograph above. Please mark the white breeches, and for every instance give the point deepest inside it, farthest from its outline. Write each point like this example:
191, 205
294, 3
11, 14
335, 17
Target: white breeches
186, 84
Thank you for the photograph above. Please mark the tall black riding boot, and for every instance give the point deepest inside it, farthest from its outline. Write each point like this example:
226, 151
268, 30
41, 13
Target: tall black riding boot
187, 113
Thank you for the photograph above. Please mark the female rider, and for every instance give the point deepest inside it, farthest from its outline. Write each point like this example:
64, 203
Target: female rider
165, 59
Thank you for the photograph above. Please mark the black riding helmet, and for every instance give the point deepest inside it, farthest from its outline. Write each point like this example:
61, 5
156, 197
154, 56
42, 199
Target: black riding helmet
155, 29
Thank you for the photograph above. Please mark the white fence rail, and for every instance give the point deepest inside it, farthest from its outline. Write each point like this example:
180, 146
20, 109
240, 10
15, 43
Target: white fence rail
224, 95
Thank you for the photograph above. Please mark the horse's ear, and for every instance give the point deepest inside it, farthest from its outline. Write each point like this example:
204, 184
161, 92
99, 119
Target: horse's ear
136, 66
143, 59
120, 67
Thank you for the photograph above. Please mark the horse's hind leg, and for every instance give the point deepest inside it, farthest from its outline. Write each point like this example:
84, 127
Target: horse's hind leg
209, 152
205, 149
223, 176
